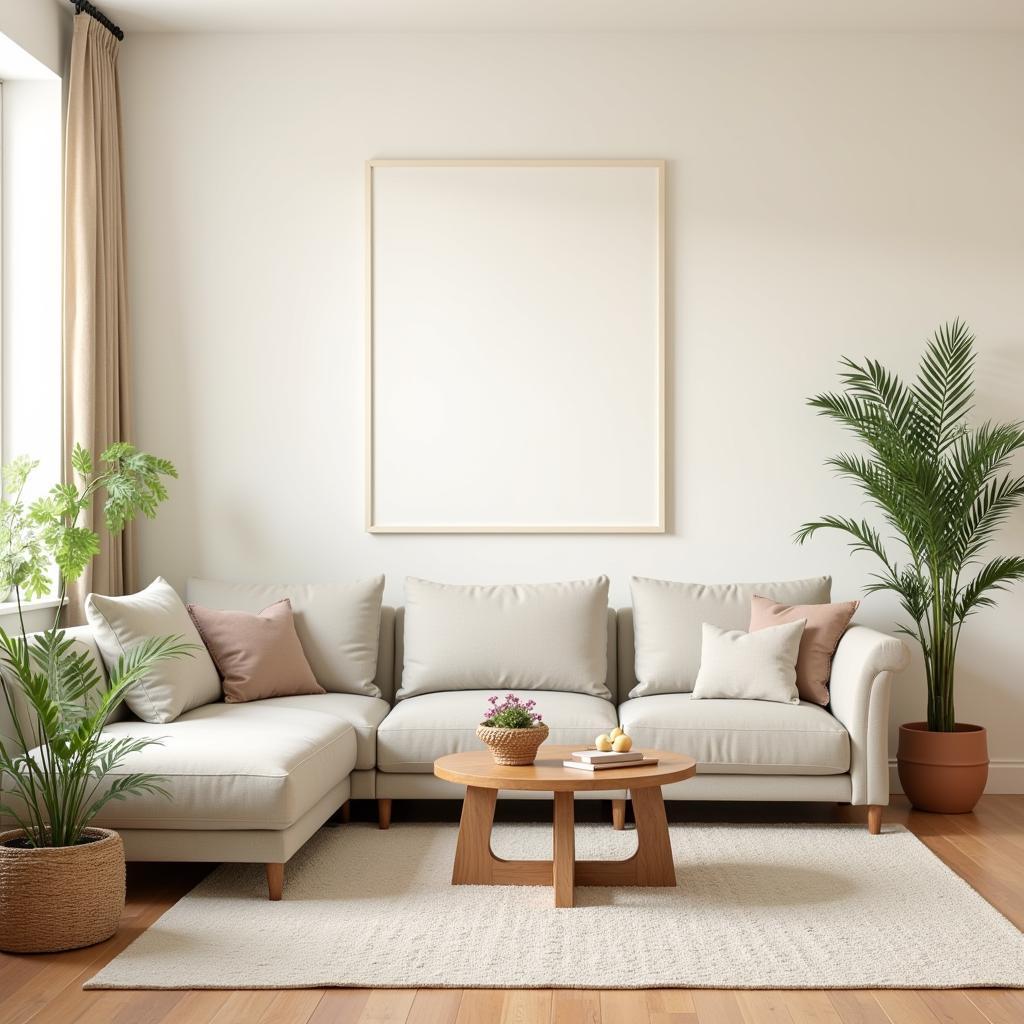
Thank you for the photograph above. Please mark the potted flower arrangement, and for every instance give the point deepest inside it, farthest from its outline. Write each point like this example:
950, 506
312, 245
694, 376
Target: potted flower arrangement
943, 489
512, 730
61, 880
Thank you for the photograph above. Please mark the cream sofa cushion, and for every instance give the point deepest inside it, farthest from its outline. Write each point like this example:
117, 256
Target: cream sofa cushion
338, 623
421, 729
667, 620
549, 636
234, 766
740, 737
364, 714
749, 666
174, 685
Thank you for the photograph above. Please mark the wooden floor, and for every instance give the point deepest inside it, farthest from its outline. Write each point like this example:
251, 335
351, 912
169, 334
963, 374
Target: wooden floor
986, 848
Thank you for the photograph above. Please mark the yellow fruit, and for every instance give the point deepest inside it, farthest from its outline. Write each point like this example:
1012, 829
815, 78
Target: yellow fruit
603, 743
617, 731
622, 744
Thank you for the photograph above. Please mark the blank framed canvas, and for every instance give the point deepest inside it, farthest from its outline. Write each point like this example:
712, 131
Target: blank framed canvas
515, 346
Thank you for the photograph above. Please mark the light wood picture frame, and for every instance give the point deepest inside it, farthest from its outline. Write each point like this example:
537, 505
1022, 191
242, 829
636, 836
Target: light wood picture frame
515, 346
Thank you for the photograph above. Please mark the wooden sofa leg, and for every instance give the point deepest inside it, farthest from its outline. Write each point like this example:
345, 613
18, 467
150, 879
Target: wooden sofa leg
346, 812
874, 819
383, 813
275, 880
618, 815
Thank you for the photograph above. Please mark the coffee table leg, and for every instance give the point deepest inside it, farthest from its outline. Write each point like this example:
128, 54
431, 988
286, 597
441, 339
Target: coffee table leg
473, 858
654, 865
564, 860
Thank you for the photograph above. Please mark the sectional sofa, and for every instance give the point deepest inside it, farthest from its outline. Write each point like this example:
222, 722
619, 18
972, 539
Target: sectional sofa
253, 781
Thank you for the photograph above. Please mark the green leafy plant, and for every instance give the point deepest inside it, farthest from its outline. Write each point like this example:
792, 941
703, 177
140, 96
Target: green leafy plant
55, 694
942, 488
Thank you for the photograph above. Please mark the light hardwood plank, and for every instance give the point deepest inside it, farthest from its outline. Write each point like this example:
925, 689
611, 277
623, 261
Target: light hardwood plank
575, 1006
1001, 1006
670, 1000
387, 1006
103, 1008
435, 1006
196, 1007
763, 1007
148, 1007
856, 1007
244, 1007
952, 1007
902, 1006
340, 1006
623, 1004
294, 1006
526, 1006
809, 1007
717, 1007
481, 1006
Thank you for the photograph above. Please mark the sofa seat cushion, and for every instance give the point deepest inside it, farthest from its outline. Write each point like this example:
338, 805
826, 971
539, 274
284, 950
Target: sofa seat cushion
421, 729
234, 766
740, 737
364, 714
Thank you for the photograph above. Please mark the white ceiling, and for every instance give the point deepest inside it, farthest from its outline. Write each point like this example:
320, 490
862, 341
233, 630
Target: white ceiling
563, 15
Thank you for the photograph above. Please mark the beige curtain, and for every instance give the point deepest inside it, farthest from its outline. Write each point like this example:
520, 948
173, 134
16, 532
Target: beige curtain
97, 363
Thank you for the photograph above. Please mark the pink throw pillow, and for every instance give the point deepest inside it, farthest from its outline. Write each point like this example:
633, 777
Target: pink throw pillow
826, 624
257, 656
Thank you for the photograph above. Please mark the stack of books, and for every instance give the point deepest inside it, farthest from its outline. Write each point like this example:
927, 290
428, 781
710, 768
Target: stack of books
596, 760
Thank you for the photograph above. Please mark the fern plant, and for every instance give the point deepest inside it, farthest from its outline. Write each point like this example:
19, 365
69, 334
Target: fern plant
942, 488
56, 695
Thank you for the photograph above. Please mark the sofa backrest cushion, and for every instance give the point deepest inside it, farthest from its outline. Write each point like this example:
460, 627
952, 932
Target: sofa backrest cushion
549, 636
172, 686
667, 619
611, 677
338, 623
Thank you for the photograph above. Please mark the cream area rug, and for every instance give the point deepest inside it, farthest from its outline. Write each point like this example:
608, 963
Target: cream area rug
763, 906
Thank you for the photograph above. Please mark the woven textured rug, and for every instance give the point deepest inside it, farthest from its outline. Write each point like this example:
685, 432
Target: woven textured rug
757, 906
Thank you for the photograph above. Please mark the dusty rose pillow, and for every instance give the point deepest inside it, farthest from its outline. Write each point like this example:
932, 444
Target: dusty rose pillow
826, 624
257, 656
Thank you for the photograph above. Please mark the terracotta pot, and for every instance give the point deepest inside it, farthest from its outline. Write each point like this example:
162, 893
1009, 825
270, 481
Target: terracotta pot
60, 897
944, 772
513, 746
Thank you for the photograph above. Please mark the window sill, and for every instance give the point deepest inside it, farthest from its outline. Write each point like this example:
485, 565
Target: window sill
41, 605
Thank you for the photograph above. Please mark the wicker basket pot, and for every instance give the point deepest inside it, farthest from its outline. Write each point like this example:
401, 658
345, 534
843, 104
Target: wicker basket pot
513, 746
60, 897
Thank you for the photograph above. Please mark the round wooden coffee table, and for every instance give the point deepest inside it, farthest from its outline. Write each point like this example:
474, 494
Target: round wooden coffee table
476, 864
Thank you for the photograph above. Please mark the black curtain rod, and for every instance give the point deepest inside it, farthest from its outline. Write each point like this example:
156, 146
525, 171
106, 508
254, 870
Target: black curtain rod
84, 7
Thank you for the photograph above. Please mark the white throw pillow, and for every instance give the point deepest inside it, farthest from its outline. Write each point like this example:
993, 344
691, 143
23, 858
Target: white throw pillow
749, 666
338, 623
549, 636
667, 619
173, 686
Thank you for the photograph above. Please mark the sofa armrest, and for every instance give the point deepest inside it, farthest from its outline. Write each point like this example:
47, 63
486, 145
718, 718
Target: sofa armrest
860, 687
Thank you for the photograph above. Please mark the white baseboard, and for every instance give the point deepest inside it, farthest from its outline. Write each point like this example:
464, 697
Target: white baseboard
1003, 777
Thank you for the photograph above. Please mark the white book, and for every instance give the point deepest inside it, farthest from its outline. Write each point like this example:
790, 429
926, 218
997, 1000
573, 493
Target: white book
601, 756
590, 766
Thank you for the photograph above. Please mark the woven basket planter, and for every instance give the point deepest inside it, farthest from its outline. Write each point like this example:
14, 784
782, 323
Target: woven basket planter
513, 746
60, 897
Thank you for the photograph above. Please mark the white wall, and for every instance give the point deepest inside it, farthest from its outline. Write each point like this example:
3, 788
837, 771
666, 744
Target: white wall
828, 195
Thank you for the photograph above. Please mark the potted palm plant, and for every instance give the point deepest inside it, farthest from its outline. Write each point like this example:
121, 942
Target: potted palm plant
943, 489
61, 880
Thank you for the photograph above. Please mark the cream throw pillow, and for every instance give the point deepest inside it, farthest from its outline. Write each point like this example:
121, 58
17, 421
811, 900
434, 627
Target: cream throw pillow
667, 619
548, 636
173, 686
749, 666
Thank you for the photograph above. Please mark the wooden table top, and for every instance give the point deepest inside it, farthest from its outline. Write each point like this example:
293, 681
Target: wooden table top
546, 774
